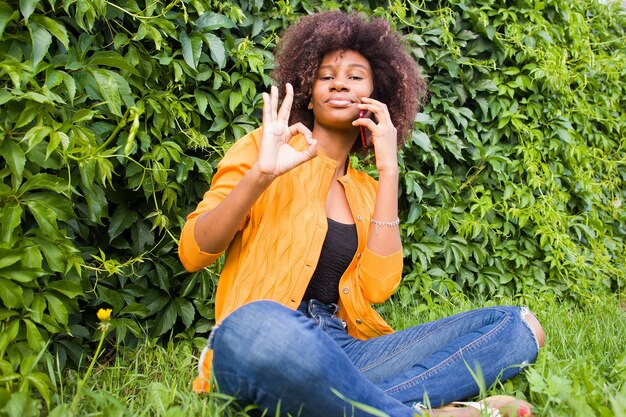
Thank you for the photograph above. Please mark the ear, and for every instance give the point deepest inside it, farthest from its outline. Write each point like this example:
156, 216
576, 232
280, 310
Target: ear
310, 105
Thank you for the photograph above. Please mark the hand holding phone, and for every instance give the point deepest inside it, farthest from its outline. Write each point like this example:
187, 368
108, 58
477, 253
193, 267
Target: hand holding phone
366, 135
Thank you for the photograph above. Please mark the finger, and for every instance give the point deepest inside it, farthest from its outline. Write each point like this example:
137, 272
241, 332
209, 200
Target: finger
285, 108
379, 108
274, 101
300, 128
267, 109
366, 122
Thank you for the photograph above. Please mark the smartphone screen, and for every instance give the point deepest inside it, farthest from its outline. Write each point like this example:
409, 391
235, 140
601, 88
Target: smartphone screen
366, 135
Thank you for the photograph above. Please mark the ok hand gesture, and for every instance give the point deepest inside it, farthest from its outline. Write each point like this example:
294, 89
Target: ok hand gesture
276, 156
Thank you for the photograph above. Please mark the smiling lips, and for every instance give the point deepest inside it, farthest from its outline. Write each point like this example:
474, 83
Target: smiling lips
339, 101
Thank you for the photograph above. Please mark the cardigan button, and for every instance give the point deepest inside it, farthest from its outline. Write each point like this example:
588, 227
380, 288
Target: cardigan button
358, 321
346, 290
359, 217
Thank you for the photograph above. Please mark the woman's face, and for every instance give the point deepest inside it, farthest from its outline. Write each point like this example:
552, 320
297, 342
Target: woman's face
343, 78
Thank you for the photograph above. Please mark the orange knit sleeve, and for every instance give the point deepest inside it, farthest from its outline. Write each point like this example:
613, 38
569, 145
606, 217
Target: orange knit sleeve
239, 159
379, 275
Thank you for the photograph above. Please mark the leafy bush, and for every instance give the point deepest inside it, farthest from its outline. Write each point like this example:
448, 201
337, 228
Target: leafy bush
520, 183
114, 114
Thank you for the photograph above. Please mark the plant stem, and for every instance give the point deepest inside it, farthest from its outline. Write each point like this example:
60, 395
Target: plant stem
81, 384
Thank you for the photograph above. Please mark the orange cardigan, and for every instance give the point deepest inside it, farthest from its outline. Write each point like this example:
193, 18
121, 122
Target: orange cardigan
275, 251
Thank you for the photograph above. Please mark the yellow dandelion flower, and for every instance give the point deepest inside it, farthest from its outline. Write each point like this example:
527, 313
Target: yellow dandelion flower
104, 314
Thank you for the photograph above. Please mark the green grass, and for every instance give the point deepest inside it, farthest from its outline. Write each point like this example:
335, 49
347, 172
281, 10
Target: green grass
580, 372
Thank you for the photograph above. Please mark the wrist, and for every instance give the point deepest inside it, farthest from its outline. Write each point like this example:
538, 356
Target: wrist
261, 178
390, 173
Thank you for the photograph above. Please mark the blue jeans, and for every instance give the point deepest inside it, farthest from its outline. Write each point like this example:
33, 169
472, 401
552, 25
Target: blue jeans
305, 363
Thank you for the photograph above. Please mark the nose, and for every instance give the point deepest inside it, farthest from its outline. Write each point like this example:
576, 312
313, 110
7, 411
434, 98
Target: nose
338, 84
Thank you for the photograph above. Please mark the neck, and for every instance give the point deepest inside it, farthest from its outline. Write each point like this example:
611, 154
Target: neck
336, 144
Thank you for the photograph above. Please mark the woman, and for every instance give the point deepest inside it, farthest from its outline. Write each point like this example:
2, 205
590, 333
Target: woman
311, 243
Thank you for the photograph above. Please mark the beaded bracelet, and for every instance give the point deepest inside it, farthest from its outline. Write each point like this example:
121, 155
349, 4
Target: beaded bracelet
388, 224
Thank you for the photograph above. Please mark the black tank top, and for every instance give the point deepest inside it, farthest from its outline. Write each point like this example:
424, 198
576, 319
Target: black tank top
338, 250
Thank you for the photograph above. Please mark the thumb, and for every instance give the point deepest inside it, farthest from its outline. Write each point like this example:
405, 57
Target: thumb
308, 153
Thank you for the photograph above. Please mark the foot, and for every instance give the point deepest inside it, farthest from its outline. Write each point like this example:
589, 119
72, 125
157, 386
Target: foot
452, 411
494, 406
509, 406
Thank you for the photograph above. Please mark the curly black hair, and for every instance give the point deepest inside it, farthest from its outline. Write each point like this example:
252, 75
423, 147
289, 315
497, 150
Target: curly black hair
397, 79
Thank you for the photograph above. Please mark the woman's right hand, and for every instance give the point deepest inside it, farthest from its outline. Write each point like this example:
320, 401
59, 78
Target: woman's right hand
276, 156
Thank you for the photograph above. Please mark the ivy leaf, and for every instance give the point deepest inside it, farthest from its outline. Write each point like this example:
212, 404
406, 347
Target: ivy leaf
485, 85
40, 381
185, 310
142, 236
218, 125
257, 26
216, 48
482, 102
189, 284
67, 288
192, 48
202, 100
70, 85
10, 220
54, 256
14, 157
87, 170
36, 134
155, 300
165, 319
114, 89
7, 14
111, 297
53, 27
56, 139
41, 39
35, 340
210, 21
96, 202
135, 309
27, 7
162, 277
8, 257
422, 140
44, 215
21, 274
5, 96
44, 182
112, 59
11, 294
234, 100
122, 219
57, 309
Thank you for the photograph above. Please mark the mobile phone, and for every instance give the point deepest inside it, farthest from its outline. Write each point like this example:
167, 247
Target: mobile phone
366, 135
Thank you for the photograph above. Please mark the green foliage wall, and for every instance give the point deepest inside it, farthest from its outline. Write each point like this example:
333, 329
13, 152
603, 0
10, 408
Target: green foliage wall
113, 115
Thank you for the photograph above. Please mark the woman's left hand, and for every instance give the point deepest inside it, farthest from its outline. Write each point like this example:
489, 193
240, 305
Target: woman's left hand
384, 134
